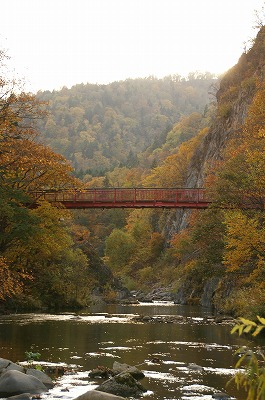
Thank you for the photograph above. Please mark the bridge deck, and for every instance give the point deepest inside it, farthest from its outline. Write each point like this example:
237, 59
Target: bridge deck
127, 198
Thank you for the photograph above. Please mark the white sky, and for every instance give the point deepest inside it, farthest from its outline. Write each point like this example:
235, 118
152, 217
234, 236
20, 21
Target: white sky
55, 43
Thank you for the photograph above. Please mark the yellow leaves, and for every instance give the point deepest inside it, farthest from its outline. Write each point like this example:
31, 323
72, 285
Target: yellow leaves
52, 239
139, 226
173, 171
241, 180
96, 182
119, 177
244, 167
261, 133
248, 326
245, 241
34, 166
120, 247
190, 267
261, 320
251, 376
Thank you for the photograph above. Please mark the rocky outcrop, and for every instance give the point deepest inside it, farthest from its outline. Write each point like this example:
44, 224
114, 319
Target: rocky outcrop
209, 290
156, 294
236, 92
187, 294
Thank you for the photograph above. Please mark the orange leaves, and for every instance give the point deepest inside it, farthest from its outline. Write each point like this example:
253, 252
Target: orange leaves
34, 166
24, 163
80, 234
11, 281
180, 243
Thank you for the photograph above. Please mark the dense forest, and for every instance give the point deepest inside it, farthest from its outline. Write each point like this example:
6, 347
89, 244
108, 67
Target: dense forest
170, 132
100, 127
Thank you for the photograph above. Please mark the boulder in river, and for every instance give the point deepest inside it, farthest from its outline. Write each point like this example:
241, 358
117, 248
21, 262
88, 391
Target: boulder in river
195, 367
101, 372
7, 365
45, 379
221, 396
123, 385
15, 382
23, 396
134, 371
97, 395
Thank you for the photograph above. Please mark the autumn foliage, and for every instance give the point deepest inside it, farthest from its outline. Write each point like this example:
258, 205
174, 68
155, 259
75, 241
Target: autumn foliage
37, 250
227, 241
121, 136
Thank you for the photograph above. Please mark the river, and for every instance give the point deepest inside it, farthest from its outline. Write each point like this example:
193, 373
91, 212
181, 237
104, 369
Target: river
188, 360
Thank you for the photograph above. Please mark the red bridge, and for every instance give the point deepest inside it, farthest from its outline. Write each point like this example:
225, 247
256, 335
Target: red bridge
126, 198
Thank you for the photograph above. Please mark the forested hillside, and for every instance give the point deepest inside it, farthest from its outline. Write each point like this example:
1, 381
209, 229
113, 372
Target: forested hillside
99, 127
46, 260
50, 257
212, 257
145, 132
222, 250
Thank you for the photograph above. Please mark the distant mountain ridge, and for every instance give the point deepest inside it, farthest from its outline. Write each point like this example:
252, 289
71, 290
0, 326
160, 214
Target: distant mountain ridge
99, 127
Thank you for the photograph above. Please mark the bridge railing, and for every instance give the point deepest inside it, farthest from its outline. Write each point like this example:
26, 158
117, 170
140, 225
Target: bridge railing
126, 197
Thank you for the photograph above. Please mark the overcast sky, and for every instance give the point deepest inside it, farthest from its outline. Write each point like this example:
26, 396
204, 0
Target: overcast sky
55, 43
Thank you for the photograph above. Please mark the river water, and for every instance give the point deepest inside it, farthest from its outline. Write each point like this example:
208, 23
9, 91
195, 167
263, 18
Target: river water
188, 360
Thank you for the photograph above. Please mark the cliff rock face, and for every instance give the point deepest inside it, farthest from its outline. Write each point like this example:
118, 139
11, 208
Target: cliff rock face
236, 92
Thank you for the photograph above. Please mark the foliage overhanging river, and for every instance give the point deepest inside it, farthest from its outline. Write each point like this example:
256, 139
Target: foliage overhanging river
101, 336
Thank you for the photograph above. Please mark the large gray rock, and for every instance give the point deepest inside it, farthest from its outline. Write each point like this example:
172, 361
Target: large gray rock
7, 365
123, 385
23, 396
15, 382
45, 379
208, 292
119, 368
97, 395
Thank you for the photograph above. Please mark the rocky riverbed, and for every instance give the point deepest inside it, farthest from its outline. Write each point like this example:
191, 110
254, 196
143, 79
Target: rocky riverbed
18, 382
184, 352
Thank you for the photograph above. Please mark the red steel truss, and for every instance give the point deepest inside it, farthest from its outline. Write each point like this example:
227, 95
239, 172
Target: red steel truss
126, 198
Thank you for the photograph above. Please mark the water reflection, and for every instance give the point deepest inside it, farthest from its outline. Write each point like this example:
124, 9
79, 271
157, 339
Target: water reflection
181, 361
